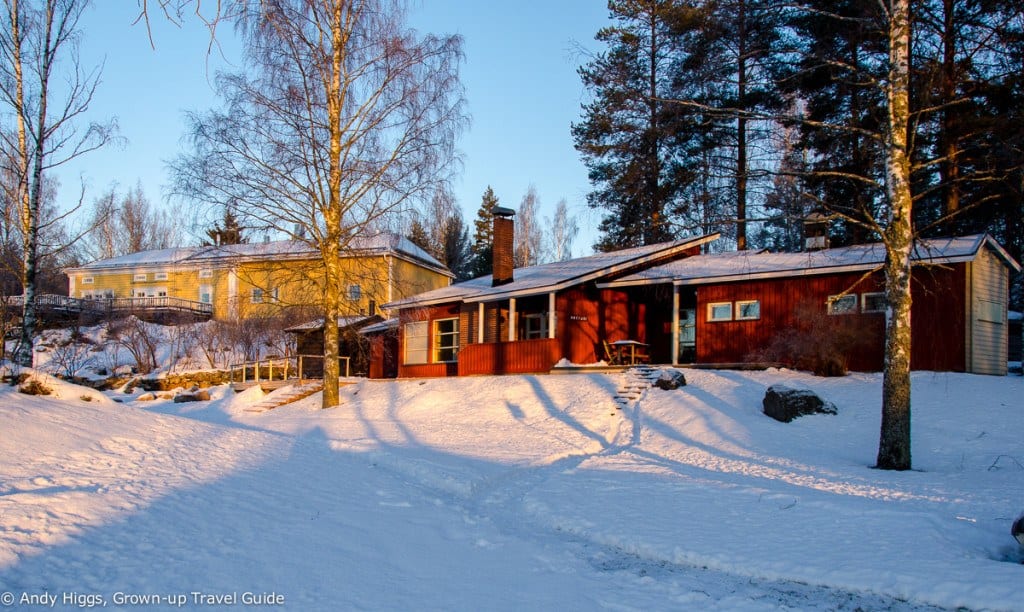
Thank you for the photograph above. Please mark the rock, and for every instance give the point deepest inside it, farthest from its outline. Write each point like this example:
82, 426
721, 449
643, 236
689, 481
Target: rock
145, 397
1017, 530
198, 396
670, 379
785, 404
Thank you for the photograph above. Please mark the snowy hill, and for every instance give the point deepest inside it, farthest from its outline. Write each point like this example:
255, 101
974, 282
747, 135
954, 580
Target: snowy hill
513, 493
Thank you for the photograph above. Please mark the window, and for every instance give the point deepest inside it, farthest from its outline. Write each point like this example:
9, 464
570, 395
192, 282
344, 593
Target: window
160, 276
535, 326
87, 280
206, 294
109, 294
416, 342
446, 339
748, 310
139, 278
275, 294
873, 302
720, 311
206, 273
840, 305
355, 292
257, 296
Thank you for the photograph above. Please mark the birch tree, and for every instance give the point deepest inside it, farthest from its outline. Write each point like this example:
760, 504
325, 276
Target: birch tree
342, 118
39, 131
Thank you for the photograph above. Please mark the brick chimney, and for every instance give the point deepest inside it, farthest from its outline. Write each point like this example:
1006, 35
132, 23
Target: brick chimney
504, 234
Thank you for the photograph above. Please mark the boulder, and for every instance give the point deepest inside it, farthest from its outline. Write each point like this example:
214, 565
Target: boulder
1017, 530
198, 396
670, 379
784, 404
145, 397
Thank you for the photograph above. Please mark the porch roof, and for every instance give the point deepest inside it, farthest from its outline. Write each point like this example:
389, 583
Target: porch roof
752, 265
555, 276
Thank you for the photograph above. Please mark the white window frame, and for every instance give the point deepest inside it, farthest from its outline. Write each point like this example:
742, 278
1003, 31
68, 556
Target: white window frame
440, 337
416, 342
835, 299
535, 326
256, 296
864, 297
712, 306
354, 293
139, 278
87, 280
207, 273
208, 291
160, 276
739, 310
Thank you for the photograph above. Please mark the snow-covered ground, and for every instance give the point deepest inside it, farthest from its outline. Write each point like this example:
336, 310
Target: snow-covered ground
515, 493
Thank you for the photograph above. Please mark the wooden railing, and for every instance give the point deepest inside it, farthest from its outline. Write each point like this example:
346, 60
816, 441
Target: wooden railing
520, 357
300, 367
102, 306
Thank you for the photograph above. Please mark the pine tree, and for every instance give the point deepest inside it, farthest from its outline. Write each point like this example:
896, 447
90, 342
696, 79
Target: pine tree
418, 236
228, 233
483, 235
627, 134
456, 247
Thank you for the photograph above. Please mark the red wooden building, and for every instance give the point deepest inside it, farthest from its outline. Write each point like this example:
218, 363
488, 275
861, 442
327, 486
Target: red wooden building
709, 309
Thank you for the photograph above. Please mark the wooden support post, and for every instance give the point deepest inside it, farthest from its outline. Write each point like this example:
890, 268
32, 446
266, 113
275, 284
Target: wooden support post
512, 319
551, 315
480, 323
675, 324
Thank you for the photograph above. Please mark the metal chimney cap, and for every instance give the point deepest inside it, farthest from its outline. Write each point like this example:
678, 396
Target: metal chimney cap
501, 211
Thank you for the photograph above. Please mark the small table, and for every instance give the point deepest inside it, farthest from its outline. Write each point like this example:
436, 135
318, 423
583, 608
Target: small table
624, 347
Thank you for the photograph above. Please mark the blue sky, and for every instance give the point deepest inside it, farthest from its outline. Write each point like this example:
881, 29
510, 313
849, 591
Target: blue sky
520, 78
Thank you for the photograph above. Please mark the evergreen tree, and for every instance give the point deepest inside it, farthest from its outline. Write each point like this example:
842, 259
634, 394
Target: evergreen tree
418, 236
455, 241
483, 235
229, 232
628, 134
726, 76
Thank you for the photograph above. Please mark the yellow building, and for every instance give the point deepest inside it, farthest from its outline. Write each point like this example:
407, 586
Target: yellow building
262, 279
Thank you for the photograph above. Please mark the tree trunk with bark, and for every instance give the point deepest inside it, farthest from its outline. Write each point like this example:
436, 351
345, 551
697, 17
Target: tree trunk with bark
894, 440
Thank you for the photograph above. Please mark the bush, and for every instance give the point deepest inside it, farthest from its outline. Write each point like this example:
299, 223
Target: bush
816, 341
35, 386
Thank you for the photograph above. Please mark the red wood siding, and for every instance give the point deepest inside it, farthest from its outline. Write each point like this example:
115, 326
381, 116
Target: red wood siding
445, 311
588, 316
522, 357
383, 355
937, 317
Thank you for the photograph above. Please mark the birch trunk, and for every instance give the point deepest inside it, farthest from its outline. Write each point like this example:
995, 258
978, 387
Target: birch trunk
894, 441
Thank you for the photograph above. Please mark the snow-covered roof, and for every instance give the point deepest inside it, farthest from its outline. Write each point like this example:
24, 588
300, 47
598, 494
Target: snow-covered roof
343, 322
749, 265
384, 242
383, 326
553, 276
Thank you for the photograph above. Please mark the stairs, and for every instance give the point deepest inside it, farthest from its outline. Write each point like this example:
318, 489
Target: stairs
636, 381
287, 395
